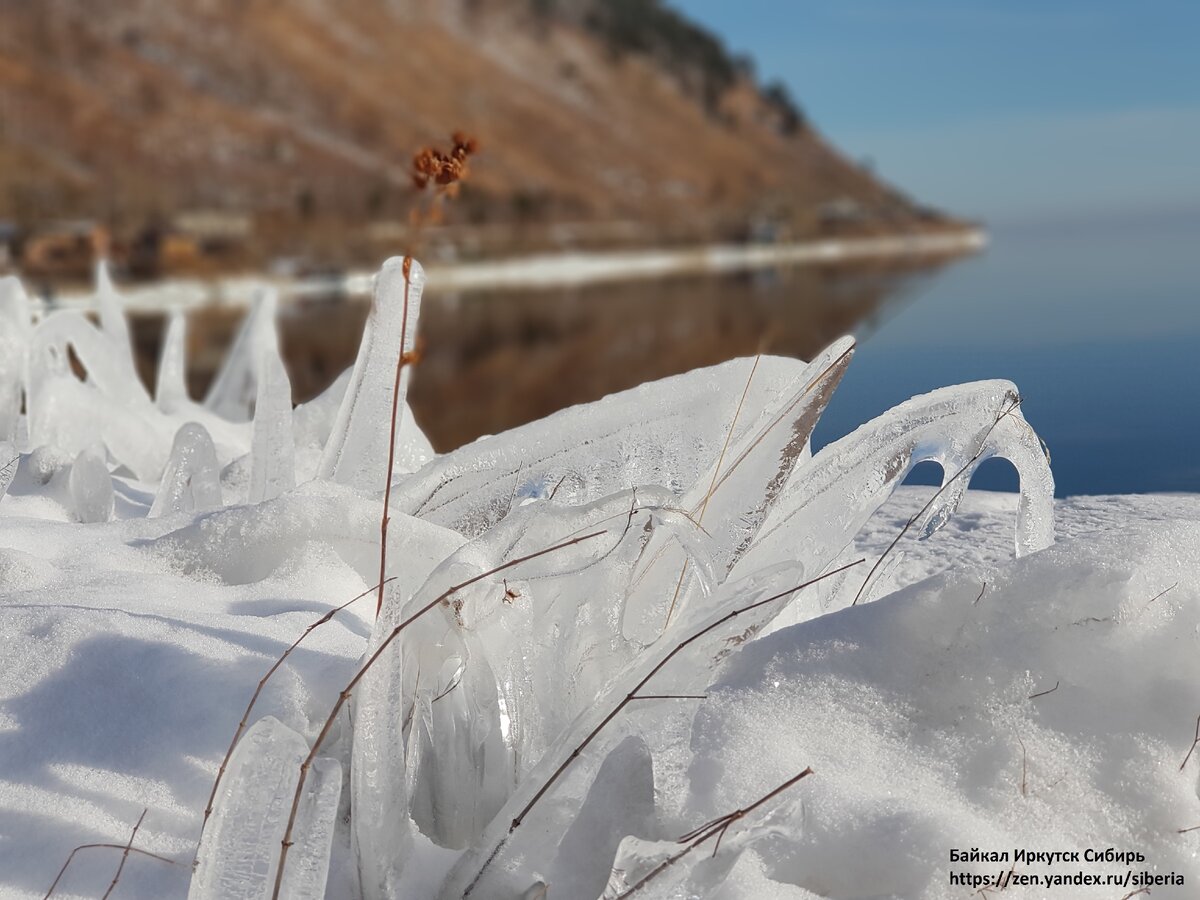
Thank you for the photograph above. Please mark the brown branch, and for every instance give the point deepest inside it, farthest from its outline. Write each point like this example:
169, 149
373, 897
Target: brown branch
286, 843
1186, 830
982, 588
254, 699
924, 509
401, 362
1192, 749
125, 855
630, 697
716, 828
125, 847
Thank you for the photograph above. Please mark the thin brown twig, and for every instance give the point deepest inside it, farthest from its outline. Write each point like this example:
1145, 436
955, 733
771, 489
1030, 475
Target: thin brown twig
344, 695
982, 588
212, 797
1024, 766
716, 828
670, 697
616, 710
1044, 693
125, 847
924, 509
401, 361
1160, 593
1186, 830
125, 855
1192, 749
712, 487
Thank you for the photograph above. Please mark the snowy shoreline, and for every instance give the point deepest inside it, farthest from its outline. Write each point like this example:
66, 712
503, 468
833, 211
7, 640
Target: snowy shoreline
550, 270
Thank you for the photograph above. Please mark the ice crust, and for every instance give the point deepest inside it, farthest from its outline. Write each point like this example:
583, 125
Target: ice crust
497, 748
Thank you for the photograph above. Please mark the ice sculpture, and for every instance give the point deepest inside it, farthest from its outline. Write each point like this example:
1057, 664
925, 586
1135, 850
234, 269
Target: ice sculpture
91, 486
191, 482
357, 451
239, 853
112, 319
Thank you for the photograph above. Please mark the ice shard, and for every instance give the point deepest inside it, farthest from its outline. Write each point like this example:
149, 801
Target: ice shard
233, 391
272, 448
91, 485
171, 387
827, 501
191, 482
15, 330
239, 853
357, 451
9, 460
666, 433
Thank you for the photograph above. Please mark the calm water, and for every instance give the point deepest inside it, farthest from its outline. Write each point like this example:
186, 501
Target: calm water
1099, 327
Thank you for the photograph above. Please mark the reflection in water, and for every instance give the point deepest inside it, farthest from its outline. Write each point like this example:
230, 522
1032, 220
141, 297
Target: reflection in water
494, 361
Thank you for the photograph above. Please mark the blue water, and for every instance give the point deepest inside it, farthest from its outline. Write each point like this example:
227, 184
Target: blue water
1098, 324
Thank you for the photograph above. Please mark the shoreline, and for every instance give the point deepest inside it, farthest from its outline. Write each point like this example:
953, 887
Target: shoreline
545, 271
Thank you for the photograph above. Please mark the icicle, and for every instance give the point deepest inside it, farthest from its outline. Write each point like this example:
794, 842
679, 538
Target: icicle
272, 449
191, 482
112, 318
171, 391
233, 390
357, 451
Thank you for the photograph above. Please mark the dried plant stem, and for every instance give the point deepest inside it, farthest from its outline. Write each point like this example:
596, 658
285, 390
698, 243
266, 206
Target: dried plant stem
212, 797
924, 509
401, 361
634, 694
124, 847
716, 828
344, 695
1191, 749
125, 855
712, 485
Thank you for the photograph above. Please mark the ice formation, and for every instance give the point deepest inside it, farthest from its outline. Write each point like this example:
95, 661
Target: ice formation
507, 726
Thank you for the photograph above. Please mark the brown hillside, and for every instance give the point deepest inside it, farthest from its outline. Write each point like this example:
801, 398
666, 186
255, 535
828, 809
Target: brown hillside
305, 113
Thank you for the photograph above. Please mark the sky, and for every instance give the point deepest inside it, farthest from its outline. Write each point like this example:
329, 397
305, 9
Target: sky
1008, 111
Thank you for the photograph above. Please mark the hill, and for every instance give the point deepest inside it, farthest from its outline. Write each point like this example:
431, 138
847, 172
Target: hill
601, 123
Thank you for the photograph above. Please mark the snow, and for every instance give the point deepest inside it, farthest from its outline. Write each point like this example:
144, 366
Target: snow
1020, 673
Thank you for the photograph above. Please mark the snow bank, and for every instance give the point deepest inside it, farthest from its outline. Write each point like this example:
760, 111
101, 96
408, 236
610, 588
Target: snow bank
594, 640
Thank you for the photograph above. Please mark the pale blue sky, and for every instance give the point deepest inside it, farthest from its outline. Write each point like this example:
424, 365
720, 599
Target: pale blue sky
1010, 110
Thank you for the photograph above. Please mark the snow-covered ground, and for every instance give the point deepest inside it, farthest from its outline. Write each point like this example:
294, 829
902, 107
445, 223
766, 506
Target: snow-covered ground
1015, 683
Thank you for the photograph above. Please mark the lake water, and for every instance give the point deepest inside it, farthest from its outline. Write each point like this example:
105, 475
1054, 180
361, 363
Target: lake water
1099, 327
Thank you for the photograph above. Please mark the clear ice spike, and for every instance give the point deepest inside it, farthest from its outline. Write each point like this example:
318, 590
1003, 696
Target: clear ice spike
171, 388
272, 447
357, 451
91, 485
192, 480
